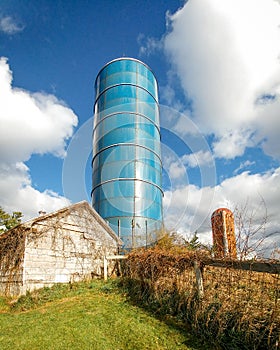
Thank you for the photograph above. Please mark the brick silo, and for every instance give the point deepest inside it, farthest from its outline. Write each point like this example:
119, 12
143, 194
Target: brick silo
223, 232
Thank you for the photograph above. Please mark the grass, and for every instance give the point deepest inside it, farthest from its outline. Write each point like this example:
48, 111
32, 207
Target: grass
239, 310
91, 316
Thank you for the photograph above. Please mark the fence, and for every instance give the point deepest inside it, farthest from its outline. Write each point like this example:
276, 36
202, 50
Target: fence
234, 303
250, 266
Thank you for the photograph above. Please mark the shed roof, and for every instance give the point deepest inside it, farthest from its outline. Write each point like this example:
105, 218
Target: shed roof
83, 204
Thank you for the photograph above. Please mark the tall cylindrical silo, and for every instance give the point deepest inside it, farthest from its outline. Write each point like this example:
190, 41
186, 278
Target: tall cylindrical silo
224, 242
127, 168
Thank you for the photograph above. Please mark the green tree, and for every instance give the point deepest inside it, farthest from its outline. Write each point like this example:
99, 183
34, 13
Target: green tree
8, 221
173, 239
194, 243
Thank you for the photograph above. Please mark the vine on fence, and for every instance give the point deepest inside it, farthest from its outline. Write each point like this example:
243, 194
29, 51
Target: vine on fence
239, 310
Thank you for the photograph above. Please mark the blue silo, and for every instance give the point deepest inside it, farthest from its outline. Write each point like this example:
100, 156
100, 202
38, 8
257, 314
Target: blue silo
126, 164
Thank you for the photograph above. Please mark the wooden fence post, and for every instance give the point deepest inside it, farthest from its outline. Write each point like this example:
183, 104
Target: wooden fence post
199, 280
105, 263
105, 268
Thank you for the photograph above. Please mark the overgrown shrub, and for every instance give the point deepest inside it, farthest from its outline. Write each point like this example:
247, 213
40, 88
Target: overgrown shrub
239, 310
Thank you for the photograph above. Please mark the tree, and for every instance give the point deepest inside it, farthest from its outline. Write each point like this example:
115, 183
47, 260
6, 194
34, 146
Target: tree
194, 243
250, 225
173, 239
8, 221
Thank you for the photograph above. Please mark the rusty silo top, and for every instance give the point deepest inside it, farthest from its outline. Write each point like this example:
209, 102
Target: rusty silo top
220, 210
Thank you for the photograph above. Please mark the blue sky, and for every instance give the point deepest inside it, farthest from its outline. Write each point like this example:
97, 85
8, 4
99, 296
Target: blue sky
217, 65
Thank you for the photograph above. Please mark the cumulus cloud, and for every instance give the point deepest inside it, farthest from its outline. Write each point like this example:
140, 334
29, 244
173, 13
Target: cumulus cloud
243, 165
30, 123
17, 192
172, 165
226, 55
267, 126
148, 45
232, 144
197, 159
188, 208
176, 167
176, 170
8, 25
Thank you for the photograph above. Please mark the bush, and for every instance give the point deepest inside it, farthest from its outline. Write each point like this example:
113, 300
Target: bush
240, 309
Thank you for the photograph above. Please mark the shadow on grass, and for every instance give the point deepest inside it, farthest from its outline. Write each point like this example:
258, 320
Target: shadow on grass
191, 339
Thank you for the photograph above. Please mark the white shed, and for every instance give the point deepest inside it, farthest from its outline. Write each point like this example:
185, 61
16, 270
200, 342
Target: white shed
63, 246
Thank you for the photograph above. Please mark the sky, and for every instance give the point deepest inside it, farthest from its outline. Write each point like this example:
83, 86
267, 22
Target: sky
218, 71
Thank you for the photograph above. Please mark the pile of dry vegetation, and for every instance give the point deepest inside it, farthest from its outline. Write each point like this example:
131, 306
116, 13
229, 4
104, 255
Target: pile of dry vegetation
239, 309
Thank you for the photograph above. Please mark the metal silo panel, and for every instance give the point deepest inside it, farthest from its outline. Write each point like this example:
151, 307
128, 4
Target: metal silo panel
126, 163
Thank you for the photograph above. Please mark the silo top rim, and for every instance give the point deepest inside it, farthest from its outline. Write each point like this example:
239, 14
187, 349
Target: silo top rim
124, 58
219, 210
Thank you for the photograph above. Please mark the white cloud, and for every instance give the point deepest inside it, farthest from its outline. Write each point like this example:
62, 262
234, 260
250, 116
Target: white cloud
148, 45
268, 126
189, 208
176, 170
17, 193
197, 159
9, 25
232, 144
176, 167
181, 206
243, 165
226, 54
30, 123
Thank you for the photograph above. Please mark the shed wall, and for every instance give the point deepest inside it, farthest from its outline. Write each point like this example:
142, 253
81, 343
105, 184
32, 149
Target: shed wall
67, 246
65, 250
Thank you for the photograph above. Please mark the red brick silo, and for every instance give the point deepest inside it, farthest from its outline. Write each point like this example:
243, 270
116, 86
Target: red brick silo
224, 242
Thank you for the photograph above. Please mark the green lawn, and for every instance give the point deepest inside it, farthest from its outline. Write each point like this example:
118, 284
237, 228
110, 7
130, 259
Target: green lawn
86, 316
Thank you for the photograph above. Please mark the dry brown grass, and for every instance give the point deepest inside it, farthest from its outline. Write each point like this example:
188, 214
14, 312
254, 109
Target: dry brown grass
240, 309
